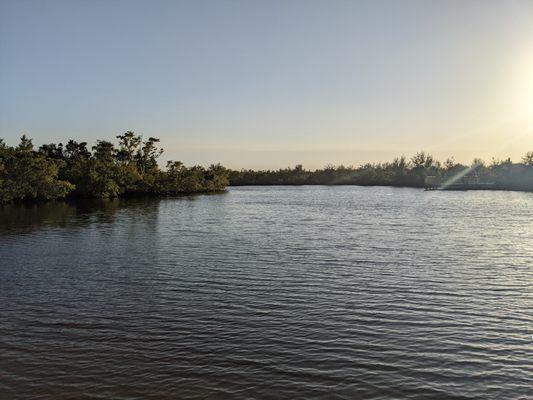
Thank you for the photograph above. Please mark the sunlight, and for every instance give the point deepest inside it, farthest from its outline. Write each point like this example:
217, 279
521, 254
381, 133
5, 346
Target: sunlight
457, 177
524, 89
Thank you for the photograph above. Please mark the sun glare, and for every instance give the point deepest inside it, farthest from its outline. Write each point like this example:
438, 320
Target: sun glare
525, 90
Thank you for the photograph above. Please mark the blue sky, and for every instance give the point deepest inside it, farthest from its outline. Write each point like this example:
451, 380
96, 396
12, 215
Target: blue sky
266, 84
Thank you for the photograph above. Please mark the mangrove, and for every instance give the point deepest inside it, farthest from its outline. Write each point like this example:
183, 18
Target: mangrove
57, 171
402, 172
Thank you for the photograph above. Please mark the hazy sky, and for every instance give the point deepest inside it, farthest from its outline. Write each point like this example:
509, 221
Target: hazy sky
265, 84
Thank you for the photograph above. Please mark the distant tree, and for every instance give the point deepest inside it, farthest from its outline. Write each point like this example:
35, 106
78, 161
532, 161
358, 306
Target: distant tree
477, 163
449, 164
528, 159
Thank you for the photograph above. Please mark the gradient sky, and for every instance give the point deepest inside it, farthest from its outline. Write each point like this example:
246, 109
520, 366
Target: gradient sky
267, 84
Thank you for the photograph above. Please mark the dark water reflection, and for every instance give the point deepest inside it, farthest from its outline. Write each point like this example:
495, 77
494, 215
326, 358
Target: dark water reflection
29, 217
309, 292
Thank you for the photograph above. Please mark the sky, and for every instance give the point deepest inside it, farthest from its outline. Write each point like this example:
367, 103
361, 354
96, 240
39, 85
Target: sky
268, 84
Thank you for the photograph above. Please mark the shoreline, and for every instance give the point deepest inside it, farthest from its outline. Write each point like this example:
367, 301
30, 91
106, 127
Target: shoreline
81, 200
494, 188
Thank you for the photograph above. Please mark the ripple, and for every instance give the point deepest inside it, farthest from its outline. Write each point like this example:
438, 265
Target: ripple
270, 293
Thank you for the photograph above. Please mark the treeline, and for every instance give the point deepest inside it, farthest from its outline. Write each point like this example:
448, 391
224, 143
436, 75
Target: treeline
57, 171
502, 174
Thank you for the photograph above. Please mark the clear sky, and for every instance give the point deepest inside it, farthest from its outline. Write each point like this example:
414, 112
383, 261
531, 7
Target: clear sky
267, 84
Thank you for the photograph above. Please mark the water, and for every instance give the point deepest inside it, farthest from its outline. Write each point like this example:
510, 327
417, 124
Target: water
270, 293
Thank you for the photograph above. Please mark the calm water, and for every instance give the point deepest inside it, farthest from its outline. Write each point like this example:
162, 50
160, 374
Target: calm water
270, 293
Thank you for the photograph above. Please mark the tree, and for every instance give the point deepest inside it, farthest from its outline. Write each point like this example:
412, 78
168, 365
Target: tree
75, 150
55, 171
29, 175
128, 146
103, 171
52, 151
528, 159
217, 176
25, 144
148, 154
129, 177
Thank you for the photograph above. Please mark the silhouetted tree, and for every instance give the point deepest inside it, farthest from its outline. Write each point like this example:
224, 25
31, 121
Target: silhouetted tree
399, 172
528, 159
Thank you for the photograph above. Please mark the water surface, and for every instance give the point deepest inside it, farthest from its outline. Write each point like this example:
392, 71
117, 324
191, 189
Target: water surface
270, 293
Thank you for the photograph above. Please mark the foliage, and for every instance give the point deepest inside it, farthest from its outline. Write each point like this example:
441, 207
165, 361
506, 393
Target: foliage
26, 174
130, 168
399, 172
528, 159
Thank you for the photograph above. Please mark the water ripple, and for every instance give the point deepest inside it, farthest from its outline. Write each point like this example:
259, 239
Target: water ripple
270, 293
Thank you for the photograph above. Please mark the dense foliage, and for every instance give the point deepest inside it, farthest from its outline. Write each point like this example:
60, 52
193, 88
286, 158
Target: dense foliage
55, 171
131, 168
400, 172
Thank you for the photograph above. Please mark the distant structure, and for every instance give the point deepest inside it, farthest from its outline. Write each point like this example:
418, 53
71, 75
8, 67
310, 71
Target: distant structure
431, 182
472, 178
466, 180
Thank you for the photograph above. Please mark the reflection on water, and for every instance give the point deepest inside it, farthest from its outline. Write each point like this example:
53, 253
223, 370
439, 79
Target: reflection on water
17, 218
304, 292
